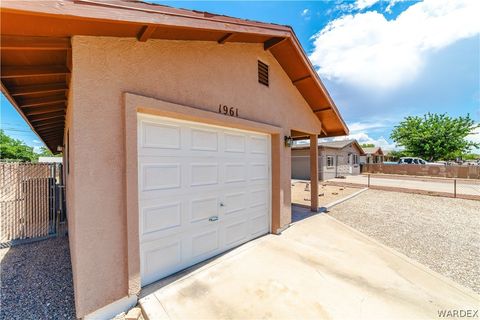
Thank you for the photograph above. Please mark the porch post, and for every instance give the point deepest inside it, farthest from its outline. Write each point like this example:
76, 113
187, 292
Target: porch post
314, 172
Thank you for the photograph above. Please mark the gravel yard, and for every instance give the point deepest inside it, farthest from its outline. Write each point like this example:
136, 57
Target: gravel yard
36, 281
441, 233
327, 194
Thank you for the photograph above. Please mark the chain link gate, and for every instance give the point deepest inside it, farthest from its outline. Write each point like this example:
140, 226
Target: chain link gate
32, 204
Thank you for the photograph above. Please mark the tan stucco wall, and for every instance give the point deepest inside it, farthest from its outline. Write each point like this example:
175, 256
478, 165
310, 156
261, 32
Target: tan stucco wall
195, 74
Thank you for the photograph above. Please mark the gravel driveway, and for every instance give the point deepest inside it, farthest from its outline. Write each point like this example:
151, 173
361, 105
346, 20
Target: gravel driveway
36, 281
442, 233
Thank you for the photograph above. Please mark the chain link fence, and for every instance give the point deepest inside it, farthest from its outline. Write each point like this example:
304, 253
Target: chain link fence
447, 187
31, 201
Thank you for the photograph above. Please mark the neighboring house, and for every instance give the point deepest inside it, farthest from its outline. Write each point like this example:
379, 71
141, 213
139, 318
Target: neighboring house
372, 155
175, 127
335, 159
50, 159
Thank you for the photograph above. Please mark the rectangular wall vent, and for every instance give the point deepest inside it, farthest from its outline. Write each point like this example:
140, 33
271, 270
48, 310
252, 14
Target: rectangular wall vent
262, 73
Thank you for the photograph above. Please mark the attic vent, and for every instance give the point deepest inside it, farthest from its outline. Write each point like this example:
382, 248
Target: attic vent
262, 73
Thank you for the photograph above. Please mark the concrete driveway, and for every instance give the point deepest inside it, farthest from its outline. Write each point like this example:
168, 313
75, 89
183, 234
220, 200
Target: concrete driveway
318, 268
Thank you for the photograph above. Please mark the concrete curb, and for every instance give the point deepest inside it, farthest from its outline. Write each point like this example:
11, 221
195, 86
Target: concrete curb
464, 290
327, 207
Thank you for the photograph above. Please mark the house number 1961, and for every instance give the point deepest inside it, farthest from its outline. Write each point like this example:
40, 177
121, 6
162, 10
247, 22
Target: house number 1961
228, 111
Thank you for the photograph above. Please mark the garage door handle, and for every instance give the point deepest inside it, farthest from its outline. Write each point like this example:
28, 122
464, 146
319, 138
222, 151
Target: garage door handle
214, 218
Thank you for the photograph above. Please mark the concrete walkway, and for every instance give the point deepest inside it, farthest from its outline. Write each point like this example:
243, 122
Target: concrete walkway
466, 187
319, 268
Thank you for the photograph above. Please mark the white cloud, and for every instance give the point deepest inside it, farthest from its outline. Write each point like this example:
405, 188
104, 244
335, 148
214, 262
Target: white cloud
361, 126
391, 4
474, 136
37, 141
367, 50
306, 14
363, 4
362, 137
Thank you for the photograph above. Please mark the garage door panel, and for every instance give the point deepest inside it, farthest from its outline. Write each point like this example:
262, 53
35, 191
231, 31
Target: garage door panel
205, 243
160, 258
258, 171
236, 232
258, 224
203, 208
160, 136
235, 202
158, 176
199, 172
204, 174
234, 143
203, 140
258, 198
235, 172
258, 145
160, 217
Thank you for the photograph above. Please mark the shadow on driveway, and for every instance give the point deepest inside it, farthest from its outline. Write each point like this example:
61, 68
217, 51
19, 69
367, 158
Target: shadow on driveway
36, 281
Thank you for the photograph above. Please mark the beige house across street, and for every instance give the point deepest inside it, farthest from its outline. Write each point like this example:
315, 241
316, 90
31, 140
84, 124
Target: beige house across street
176, 130
372, 155
335, 159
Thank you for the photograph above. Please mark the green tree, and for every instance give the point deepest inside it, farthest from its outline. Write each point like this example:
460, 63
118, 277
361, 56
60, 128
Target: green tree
45, 152
368, 145
435, 136
397, 154
15, 149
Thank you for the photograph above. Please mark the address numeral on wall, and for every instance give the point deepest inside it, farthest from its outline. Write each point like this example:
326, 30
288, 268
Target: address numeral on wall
228, 111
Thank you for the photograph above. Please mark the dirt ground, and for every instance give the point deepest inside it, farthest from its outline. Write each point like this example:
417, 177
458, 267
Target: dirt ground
327, 193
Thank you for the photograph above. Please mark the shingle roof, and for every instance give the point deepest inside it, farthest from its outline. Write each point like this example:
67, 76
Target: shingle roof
336, 144
372, 150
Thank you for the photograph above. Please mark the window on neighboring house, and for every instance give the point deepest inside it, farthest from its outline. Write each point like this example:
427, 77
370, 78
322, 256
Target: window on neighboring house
330, 161
355, 159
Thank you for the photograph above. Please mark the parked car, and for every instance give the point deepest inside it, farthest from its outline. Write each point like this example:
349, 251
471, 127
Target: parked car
415, 160
411, 160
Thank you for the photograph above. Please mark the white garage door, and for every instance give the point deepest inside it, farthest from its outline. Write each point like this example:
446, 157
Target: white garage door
202, 190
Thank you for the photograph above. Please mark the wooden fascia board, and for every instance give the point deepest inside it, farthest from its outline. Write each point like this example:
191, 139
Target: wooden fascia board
114, 13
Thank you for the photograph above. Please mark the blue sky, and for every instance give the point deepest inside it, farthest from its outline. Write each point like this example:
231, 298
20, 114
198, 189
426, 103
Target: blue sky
380, 60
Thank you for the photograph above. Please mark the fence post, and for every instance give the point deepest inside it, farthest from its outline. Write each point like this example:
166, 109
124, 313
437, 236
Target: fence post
369, 180
454, 188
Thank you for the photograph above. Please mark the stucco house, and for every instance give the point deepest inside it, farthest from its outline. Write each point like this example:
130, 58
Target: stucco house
188, 117
372, 155
335, 159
